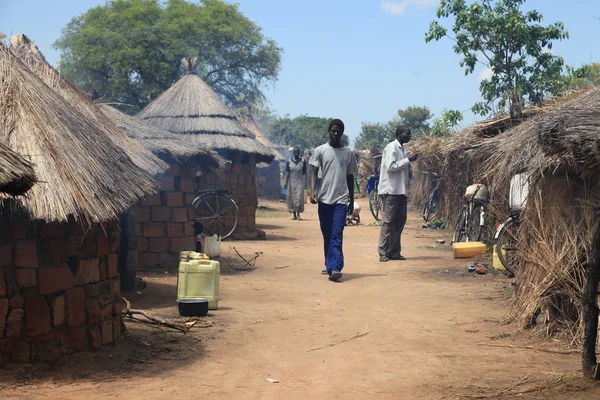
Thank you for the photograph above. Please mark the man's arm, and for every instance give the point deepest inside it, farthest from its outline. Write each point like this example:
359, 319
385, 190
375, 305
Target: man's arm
350, 182
313, 184
394, 162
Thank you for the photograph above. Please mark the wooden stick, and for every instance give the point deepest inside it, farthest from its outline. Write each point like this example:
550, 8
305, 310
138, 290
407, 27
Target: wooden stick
510, 346
349, 338
129, 313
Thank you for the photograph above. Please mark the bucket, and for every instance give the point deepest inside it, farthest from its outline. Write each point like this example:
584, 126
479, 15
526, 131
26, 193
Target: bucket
212, 246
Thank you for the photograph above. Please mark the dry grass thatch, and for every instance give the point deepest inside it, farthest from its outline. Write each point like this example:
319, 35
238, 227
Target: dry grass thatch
29, 53
190, 106
163, 143
16, 173
81, 172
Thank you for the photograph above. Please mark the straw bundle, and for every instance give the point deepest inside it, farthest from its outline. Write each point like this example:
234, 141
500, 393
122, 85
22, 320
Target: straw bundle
16, 173
81, 172
29, 53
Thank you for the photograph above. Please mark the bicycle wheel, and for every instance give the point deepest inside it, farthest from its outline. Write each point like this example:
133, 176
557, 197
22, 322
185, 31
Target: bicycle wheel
459, 233
506, 245
432, 208
217, 213
474, 228
375, 204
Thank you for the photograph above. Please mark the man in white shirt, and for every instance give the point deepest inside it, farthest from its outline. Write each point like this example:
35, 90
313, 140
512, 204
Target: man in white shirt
393, 189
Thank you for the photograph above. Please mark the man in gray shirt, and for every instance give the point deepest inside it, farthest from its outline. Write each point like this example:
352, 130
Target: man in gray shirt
337, 166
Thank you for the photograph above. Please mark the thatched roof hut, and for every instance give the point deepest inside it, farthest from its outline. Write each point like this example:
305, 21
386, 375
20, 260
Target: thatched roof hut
190, 106
82, 173
251, 125
161, 142
31, 56
16, 173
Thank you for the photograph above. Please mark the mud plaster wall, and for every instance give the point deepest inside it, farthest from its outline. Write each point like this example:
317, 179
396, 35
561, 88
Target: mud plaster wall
59, 289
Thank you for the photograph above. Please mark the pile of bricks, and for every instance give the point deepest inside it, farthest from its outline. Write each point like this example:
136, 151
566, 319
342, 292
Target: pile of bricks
59, 289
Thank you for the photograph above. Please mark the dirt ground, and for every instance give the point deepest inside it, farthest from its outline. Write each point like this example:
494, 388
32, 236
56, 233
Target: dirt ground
429, 330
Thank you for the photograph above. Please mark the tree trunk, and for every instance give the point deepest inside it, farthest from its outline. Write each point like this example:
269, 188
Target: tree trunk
589, 305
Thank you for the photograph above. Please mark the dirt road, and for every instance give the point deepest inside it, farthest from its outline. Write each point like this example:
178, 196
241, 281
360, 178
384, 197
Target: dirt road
432, 332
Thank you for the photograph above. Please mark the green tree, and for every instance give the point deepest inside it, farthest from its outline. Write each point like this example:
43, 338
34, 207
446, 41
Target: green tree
515, 46
579, 78
374, 136
130, 50
416, 118
446, 123
303, 131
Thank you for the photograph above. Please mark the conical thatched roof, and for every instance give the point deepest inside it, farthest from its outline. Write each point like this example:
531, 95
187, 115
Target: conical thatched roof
16, 173
29, 53
160, 141
250, 124
190, 106
82, 173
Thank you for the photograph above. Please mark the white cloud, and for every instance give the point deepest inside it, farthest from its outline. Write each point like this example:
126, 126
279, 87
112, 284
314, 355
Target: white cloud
400, 7
485, 73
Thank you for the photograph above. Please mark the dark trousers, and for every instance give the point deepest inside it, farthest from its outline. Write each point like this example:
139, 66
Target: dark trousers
332, 219
395, 212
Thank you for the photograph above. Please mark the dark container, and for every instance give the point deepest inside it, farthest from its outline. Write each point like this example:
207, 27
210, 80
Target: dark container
193, 307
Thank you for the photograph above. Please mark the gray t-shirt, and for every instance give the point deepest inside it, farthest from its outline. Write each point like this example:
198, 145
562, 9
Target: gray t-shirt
334, 166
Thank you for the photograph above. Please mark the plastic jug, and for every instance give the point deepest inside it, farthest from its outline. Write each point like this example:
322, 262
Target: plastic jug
469, 249
496, 263
199, 278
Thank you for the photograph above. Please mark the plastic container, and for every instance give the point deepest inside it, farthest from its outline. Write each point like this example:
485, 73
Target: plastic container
199, 278
496, 263
519, 190
469, 249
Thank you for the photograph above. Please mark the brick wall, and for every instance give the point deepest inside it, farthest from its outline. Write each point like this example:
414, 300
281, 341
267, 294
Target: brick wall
268, 181
59, 289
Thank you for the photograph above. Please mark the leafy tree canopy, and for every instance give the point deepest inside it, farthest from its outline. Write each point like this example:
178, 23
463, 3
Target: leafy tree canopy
130, 50
303, 131
512, 43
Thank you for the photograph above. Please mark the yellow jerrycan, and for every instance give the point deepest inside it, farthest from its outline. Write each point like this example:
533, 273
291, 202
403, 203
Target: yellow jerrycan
199, 277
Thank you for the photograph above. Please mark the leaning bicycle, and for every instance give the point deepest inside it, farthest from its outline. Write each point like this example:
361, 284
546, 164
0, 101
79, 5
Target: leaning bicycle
471, 220
431, 209
217, 212
374, 200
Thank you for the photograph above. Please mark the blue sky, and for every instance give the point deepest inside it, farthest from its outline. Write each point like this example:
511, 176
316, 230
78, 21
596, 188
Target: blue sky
358, 60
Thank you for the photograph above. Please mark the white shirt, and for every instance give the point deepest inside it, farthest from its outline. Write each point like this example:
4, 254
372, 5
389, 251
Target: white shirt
393, 177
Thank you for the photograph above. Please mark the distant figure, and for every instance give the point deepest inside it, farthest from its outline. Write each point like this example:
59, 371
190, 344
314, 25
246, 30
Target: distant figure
296, 178
393, 188
337, 166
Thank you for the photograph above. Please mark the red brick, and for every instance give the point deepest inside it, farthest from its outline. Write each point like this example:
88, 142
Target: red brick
174, 230
95, 338
167, 183
3, 313
112, 266
102, 244
236, 168
74, 245
55, 279
174, 199
180, 215
161, 214
142, 214
17, 302
107, 332
191, 214
88, 271
59, 312
106, 311
75, 307
26, 277
74, 340
152, 200
178, 245
159, 245
37, 316
117, 322
22, 351
2, 283
51, 252
93, 311
189, 198
185, 185
142, 245
103, 271
174, 169
117, 308
19, 227
6, 255
154, 230
14, 323
26, 255
188, 229
52, 230
189, 243
147, 260
115, 239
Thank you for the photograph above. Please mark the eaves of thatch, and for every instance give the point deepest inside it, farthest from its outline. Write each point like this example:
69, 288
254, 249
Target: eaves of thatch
31, 56
191, 107
250, 124
16, 173
163, 143
82, 174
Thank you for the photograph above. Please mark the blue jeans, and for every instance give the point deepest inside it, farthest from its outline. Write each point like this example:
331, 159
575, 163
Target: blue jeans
332, 219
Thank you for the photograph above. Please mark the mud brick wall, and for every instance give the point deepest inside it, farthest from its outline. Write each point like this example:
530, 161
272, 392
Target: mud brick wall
59, 289
268, 181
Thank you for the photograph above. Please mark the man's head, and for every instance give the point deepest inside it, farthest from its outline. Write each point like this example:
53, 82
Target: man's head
296, 152
403, 134
336, 130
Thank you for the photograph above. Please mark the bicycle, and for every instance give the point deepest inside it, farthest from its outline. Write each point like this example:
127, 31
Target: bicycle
374, 201
217, 212
471, 220
433, 202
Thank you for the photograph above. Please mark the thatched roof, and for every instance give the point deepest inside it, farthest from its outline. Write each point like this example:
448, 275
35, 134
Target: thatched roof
250, 124
16, 173
29, 53
190, 106
81, 172
160, 141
